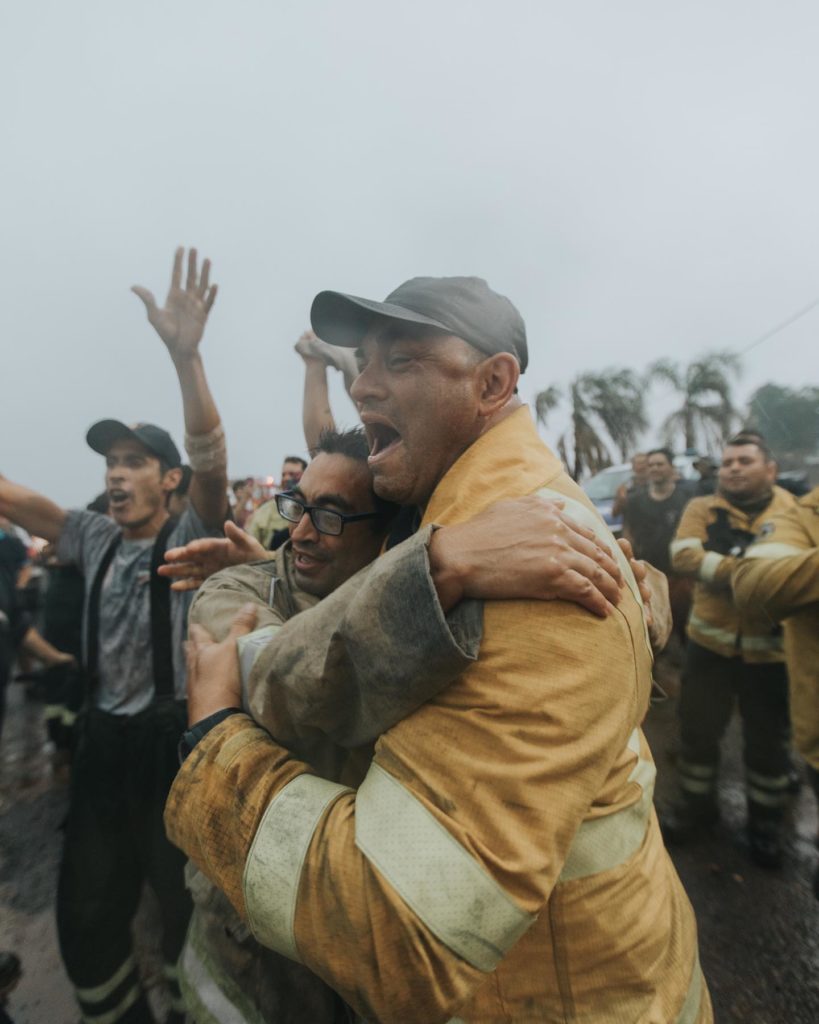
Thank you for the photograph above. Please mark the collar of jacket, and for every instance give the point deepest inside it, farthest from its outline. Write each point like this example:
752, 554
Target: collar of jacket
508, 461
780, 500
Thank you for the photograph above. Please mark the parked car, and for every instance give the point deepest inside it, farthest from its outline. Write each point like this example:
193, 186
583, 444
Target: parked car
602, 489
603, 486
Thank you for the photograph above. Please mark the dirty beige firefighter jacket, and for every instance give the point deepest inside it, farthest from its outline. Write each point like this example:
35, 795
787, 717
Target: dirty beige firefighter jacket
502, 860
227, 977
702, 549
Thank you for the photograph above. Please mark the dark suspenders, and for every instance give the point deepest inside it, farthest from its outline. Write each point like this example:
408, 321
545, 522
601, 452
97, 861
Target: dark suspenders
161, 632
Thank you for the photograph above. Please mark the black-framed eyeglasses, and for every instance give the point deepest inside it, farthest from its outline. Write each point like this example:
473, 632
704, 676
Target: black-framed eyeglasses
325, 520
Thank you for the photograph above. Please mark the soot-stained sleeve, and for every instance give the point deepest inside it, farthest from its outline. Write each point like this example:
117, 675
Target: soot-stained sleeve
365, 657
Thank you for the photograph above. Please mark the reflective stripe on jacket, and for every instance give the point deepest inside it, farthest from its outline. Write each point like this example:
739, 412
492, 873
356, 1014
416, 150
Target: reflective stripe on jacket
702, 548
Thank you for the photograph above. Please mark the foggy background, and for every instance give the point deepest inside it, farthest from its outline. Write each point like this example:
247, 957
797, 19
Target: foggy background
639, 177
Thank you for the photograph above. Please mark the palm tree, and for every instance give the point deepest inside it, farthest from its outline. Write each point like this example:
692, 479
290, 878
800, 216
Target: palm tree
707, 411
605, 406
545, 402
615, 398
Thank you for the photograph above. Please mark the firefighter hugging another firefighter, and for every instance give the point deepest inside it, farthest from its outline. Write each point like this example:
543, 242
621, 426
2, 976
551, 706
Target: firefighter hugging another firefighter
496, 856
413, 782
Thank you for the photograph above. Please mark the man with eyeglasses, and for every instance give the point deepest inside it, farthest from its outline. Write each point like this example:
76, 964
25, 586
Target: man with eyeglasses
501, 860
338, 525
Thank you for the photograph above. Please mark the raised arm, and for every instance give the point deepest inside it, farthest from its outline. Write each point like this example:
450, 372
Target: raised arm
316, 414
318, 356
180, 324
34, 512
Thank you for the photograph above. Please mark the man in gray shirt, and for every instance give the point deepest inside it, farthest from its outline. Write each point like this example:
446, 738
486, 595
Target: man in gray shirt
134, 627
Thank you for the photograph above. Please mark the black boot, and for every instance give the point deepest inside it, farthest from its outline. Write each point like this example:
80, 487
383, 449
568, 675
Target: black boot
10, 971
688, 818
765, 842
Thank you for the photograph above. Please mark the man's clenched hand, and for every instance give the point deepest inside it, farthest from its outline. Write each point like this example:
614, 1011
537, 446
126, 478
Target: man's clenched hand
214, 680
653, 586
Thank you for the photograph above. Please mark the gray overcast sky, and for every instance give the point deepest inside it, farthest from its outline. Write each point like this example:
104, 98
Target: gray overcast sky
639, 177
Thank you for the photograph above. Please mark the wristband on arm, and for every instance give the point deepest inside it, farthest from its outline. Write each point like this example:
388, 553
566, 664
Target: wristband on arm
198, 731
207, 452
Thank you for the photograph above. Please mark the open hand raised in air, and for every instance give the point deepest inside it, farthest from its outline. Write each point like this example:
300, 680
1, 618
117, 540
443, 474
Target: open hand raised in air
181, 322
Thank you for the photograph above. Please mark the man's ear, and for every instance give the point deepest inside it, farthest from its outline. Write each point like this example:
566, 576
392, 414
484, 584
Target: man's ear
497, 379
171, 480
773, 471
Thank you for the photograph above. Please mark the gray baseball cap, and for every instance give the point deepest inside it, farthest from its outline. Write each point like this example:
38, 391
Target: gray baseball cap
464, 306
104, 433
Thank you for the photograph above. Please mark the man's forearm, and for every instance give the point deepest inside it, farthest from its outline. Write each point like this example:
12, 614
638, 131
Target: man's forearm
198, 406
204, 441
317, 415
779, 584
37, 514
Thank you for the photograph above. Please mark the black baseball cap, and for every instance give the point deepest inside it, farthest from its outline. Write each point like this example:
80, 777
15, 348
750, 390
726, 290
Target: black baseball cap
464, 306
103, 434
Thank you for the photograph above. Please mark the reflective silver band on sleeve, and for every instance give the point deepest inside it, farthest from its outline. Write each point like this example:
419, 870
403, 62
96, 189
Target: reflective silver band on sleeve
771, 550
709, 566
201, 975
249, 648
761, 644
723, 636
602, 844
693, 998
683, 544
274, 864
452, 894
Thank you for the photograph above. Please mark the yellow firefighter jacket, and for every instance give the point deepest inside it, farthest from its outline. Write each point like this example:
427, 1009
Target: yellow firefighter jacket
224, 973
779, 577
711, 536
501, 861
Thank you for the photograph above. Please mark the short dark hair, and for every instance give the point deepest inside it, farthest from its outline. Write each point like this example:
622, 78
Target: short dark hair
295, 458
751, 437
244, 482
185, 482
354, 445
669, 455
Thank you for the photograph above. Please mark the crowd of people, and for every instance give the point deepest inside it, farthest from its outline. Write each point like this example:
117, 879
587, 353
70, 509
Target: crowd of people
375, 742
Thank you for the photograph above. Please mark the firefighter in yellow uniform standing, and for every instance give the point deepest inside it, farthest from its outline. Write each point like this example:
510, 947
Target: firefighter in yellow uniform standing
501, 861
779, 577
731, 656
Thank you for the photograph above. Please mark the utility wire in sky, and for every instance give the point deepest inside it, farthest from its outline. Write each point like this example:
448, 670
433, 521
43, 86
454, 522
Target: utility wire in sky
780, 327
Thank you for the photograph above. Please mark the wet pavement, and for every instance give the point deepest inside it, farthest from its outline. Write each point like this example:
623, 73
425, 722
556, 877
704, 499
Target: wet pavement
33, 804
759, 930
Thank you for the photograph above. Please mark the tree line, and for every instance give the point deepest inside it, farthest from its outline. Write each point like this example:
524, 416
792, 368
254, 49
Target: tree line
607, 412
